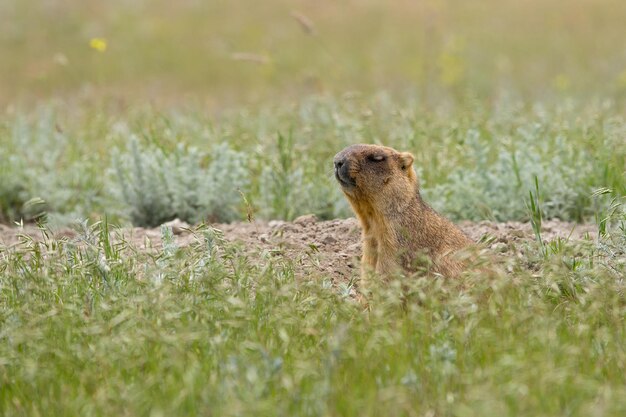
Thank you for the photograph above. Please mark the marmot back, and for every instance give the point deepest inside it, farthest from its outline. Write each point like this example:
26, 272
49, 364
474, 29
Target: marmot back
398, 226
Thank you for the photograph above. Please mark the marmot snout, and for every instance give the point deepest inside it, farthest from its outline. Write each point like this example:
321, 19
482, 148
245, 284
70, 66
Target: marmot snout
398, 226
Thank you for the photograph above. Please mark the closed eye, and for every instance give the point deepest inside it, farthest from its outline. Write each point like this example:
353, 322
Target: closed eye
376, 158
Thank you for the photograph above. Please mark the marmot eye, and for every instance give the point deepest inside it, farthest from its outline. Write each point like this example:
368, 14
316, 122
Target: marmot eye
376, 158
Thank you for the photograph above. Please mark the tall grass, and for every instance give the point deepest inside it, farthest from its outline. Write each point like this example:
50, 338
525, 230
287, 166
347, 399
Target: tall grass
209, 329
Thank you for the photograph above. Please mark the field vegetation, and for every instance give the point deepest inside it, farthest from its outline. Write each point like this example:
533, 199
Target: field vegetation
125, 114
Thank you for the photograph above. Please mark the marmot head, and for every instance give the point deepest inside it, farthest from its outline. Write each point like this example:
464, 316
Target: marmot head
373, 172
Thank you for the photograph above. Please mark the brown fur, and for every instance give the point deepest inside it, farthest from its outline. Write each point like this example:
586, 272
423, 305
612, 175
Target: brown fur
399, 228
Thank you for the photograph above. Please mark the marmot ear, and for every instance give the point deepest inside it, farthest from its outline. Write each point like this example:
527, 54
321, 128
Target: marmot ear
406, 160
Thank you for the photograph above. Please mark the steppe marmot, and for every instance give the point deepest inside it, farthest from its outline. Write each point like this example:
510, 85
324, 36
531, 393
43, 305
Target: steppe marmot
399, 228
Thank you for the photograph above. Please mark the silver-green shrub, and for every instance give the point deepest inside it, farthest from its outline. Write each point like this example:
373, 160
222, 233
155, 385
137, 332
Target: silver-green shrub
13, 192
474, 162
498, 188
41, 161
156, 185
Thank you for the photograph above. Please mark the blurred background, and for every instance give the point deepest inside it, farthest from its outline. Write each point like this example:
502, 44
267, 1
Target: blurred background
212, 110
224, 52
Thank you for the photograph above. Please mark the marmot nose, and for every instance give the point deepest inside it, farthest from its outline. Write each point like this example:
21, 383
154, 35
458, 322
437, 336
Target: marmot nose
339, 163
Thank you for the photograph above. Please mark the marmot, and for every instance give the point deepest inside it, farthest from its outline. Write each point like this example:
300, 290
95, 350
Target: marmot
398, 226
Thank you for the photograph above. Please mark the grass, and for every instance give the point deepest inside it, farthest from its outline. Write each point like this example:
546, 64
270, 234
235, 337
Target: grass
133, 113
99, 328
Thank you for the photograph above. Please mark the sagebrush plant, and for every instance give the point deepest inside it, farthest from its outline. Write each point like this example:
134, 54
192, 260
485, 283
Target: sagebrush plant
496, 188
13, 194
41, 161
473, 162
157, 185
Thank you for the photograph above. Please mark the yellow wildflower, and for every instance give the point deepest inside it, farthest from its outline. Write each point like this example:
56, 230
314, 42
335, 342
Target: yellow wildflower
99, 44
561, 82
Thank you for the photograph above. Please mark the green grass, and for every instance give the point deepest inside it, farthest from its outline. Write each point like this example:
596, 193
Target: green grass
101, 329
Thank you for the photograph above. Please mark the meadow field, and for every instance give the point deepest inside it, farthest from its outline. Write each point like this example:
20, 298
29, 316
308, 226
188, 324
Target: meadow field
118, 117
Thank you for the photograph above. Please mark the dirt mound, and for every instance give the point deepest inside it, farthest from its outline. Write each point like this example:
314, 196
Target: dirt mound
330, 248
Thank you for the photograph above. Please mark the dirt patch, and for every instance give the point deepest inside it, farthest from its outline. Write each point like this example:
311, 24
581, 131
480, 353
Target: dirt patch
330, 248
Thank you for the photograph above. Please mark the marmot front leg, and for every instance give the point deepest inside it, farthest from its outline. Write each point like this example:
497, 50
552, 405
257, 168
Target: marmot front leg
370, 255
387, 264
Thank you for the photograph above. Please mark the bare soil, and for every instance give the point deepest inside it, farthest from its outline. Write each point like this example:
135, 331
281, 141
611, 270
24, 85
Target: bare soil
330, 248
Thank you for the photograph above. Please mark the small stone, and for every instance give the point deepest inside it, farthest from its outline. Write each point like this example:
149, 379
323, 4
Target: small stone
66, 233
178, 226
354, 248
306, 220
264, 238
499, 247
287, 227
275, 223
517, 233
328, 240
